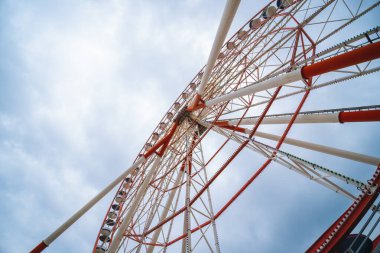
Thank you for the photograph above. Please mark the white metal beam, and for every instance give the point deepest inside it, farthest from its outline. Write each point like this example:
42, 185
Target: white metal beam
316, 147
225, 23
263, 150
301, 119
323, 149
260, 86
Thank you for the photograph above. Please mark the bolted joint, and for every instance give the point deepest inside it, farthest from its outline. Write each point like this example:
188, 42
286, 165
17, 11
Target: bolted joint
182, 115
201, 129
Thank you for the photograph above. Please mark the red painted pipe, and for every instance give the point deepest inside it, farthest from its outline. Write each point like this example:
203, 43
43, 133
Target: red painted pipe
356, 56
221, 123
197, 103
235, 128
376, 244
359, 116
363, 205
39, 248
164, 142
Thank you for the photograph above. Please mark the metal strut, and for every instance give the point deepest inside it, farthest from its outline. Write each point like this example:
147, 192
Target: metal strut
356, 56
343, 115
348, 220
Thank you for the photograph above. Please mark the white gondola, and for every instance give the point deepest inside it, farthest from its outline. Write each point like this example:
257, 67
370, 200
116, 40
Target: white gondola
162, 126
120, 199
184, 95
115, 207
193, 86
127, 183
221, 56
104, 238
147, 146
112, 215
110, 222
177, 105
242, 35
155, 136
231, 45
170, 115
105, 231
269, 12
282, 4
255, 23
100, 249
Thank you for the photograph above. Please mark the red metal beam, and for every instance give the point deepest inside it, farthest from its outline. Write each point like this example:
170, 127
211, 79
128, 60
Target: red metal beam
363, 54
264, 166
376, 243
347, 116
359, 116
197, 103
234, 128
163, 143
254, 176
329, 240
39, 248
201, 191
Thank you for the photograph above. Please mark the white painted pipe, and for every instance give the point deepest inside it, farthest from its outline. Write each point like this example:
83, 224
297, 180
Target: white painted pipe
312, 146
323, 149
348, 180
260, 86
166, 210
224, 26
92, 202
301, 119
137, 199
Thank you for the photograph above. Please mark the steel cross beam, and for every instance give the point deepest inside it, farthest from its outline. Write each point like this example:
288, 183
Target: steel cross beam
312, 146
358, 184
363, 54
323, 116
292, 164
348, 220
225, 23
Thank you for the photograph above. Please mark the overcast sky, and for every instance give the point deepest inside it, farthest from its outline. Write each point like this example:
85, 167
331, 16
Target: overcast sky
82, 86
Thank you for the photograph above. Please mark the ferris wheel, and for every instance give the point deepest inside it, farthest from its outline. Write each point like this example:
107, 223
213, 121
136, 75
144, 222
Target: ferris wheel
248, 98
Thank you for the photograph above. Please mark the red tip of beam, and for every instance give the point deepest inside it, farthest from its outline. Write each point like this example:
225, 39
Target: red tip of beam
352, 218
165, 142
359, 116
39, 248
235, 128
376, 243
197, 99
356, 56
198, 103
221, 123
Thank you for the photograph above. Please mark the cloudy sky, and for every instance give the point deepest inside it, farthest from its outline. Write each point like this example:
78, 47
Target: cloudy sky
83, 84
